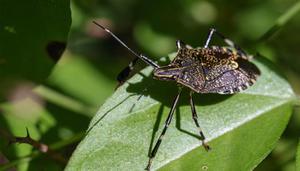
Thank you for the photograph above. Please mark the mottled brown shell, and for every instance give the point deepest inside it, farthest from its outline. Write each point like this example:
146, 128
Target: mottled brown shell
210, 70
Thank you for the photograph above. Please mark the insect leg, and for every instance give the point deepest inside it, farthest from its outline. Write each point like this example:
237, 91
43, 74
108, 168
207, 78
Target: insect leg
195, 118
167, 123
123, 75
229, 42
180, 44
210, 34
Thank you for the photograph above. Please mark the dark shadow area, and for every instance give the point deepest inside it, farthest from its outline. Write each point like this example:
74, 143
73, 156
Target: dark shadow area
156, 128
55, 49
178, 125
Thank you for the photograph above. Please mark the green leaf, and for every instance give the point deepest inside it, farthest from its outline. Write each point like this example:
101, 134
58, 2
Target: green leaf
298, 158
241, 129
92, 89
33, 37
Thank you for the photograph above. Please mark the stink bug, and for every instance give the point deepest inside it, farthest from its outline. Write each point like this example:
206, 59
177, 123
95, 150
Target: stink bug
208, 69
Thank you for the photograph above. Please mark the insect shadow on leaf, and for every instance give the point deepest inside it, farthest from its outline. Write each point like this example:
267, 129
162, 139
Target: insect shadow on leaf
106, 113
156, 127
208, 69
159, 90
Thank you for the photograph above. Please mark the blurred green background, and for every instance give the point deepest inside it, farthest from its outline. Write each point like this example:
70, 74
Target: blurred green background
58, 110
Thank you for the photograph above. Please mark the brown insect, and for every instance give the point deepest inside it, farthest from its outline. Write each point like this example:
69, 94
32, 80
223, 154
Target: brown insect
208, 69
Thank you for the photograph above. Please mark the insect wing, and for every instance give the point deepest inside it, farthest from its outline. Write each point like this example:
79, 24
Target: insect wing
233, 81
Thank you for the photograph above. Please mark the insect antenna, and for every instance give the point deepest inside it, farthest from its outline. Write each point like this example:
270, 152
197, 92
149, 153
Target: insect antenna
142, 57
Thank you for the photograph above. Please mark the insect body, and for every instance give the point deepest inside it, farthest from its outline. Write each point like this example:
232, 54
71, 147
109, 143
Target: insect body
210, 69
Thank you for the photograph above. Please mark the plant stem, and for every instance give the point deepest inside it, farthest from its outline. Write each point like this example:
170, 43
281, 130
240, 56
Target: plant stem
64, 101
281, 21
35, 154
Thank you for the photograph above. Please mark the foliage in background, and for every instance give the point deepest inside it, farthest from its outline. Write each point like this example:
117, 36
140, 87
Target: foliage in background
58, 111
32, 40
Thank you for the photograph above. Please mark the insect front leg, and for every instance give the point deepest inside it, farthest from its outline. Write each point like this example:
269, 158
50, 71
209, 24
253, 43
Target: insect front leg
123, 75
229, 42
195, 118
167, 123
